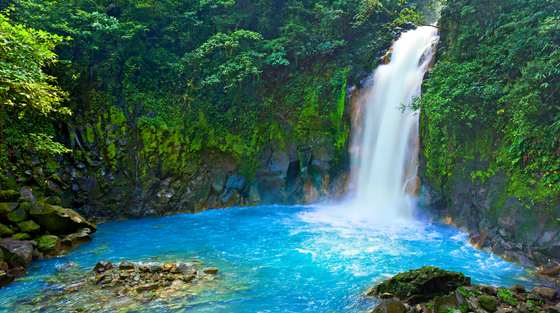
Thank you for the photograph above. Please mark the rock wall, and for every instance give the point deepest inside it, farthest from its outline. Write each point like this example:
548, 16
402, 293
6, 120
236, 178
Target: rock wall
518, 228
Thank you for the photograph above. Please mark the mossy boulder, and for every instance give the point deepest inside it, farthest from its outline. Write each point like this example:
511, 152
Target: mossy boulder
488, 303
7, 208
389, 306
21, 236
17, 252
77, 239
5, 231
9, 195
29, 227
49, 244
420, 285
58, 220
18, 215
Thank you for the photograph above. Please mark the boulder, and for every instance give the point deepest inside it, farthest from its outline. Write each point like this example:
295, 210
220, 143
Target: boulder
6, 208
211, 270
5, 231
517, 288
9, 195
76, 239
126, 266
29, 227
420, 285
17, 252
6, 278
52, 200
545, 292
18, 215
59, 221
27, 195
49, 245
389, 306
103, 266
488, 303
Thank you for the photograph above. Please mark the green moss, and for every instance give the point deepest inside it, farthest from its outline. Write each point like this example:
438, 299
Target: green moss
488, 303
29, 227
507, 297
22, 236
5, 231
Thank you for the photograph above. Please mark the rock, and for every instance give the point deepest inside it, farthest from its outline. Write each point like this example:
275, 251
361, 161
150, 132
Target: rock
18, 215
389, 306
420, 285
27, 195
36, 254
487, 303
126, 266
52, 200
59, 221
147, 287
29, 227
77, 239
489, 290
517, 288
9, 195
6, 208
17, 252
144, 268
505, 310
21, 236
5, 231
554, 271
545, 292
102, 266
49, 245
211, 270
6, 278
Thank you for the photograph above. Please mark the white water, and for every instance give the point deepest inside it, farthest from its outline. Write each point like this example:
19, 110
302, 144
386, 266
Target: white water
385, 164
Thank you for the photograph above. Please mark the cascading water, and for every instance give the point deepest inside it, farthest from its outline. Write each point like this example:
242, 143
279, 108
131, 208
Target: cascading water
385, 162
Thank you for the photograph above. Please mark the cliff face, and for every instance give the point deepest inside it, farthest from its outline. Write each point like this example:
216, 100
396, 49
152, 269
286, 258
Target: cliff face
517, 228
132, 174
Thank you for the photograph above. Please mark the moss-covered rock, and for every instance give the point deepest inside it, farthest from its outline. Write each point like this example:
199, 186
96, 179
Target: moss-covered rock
5, 231
9, 195
488, 303
389, 306
7, 208
59, 221
420, 285
49, 244
21, 236
29, 227
18, 215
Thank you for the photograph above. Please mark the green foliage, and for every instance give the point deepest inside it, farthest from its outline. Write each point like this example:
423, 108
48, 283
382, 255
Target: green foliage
30, 102
507, 296
488, 81
465, 293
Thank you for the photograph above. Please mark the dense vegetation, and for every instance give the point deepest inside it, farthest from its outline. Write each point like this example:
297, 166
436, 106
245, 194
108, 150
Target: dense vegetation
214, 76
494, 94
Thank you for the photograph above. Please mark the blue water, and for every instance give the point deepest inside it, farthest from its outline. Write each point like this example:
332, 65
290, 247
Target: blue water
279, 258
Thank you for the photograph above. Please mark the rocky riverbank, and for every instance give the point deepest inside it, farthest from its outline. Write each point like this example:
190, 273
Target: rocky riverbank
127, 287
433, 290
32, 229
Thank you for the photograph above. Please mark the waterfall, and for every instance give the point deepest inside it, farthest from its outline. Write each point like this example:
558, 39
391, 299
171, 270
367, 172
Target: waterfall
385, 158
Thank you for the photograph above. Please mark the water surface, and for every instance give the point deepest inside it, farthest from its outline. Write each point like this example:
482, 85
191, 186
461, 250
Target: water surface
278, 258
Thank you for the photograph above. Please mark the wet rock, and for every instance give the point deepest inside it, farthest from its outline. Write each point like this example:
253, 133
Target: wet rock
545, 292
29, 227
389, 306
552, 272
102, 266
147, 287
49, 245
17, 252
211, 270
59, 221
144, 268
420, 285
6, 278
126, 266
